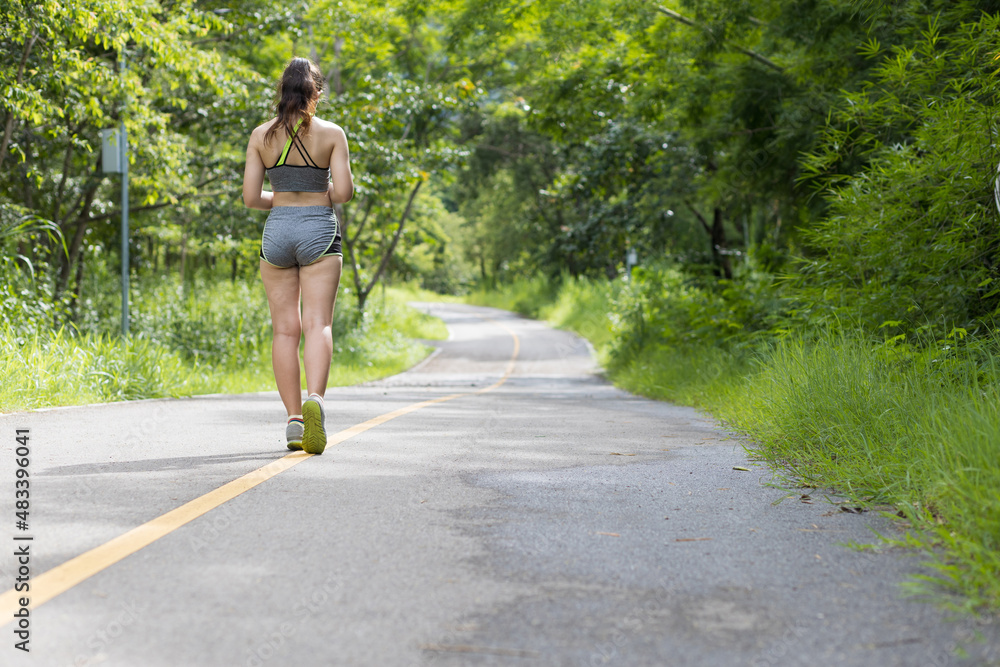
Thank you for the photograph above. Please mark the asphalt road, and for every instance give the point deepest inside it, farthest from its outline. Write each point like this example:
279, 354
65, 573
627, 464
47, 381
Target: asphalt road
548, 520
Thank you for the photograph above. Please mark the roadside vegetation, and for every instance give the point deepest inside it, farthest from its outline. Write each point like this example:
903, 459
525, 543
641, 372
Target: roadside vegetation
204, 338
802, 195
883, 421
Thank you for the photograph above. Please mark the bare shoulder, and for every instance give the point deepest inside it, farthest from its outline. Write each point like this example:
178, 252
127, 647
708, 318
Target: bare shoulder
328, 128
257, 136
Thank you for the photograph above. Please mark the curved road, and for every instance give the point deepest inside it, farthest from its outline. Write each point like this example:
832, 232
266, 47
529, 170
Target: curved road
536, 516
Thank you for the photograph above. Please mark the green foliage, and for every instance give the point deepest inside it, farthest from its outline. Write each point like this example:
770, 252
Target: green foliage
887, 423
526, 296
208, 337
586, 307
664, 307
58, 368
202, 324
393, 90
182, 98
912, 238
884, 421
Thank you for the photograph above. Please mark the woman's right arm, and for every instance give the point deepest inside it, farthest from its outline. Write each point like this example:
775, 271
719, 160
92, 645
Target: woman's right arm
254, 195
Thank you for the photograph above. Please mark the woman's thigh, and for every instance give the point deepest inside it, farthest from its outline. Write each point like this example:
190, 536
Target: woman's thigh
319, 282
282, 288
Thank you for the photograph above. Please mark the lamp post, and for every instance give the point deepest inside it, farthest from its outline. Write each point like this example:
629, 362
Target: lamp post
114, 156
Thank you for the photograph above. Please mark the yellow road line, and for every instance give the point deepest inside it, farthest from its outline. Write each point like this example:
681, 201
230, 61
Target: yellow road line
63, 577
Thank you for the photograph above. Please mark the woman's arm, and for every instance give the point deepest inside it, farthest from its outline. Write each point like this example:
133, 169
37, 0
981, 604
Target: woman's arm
254, 195
342, 188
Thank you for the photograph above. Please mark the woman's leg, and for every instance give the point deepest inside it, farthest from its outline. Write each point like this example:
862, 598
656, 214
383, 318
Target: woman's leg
282, 287
319, 282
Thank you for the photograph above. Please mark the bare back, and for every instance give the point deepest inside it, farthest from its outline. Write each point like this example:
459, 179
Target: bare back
325, 144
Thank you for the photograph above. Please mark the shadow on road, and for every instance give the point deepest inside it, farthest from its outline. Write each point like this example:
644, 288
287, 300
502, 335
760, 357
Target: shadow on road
154, 465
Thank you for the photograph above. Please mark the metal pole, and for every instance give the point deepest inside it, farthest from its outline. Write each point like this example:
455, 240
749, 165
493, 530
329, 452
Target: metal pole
124, 162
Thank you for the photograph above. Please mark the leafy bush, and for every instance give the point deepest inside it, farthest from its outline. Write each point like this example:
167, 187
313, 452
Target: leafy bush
663, 307
912, 239
526, 296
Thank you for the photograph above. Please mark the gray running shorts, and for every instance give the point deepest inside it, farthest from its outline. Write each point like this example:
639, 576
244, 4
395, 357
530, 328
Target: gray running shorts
299, 235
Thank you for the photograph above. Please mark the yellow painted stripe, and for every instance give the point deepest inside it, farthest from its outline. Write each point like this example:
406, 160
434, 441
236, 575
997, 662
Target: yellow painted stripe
63, 577
510, 363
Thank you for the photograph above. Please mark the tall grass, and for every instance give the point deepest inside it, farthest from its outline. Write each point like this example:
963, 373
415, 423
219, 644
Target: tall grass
916, 428
62, 369
206, 337
912, 425
706, 376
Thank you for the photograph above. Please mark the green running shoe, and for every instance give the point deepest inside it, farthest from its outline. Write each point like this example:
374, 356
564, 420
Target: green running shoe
314, 439
293, 433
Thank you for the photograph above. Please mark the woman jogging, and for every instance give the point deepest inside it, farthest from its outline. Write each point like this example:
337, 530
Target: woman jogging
300, 255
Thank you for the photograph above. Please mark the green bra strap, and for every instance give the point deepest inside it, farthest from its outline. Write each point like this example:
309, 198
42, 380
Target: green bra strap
288, 144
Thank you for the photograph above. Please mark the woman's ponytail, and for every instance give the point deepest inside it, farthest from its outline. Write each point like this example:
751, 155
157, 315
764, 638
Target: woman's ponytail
298, 92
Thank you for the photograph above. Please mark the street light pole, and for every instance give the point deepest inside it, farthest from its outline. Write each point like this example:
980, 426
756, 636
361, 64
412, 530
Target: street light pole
123, 145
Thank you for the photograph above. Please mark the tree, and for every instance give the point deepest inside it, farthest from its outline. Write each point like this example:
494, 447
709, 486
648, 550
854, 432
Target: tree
184, 100
911, 240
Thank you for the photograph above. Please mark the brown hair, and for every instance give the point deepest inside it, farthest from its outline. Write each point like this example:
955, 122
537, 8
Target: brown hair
298, 91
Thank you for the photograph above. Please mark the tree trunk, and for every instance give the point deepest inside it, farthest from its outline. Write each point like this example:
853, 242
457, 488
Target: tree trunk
363, 295
348, 244
74, 254
184, 251
719, 245
9, 126
77, 290
82, 223
717, 235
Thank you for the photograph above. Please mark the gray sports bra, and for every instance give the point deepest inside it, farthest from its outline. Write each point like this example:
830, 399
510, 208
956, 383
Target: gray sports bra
308, 177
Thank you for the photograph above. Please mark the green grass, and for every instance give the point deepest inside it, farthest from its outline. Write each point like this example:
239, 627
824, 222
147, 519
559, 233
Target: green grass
706, 377
206, 338
60, 369
918, 429
913, 426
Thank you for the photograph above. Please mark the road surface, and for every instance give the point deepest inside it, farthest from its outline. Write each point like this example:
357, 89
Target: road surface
534, 516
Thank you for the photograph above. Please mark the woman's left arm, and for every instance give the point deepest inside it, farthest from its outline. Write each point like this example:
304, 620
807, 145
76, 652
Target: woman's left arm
342, 188
254, 195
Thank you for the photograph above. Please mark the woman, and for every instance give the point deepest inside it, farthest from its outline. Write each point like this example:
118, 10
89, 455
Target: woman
308, 164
